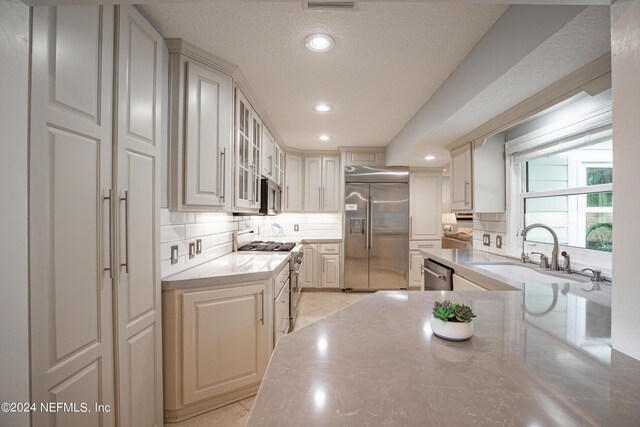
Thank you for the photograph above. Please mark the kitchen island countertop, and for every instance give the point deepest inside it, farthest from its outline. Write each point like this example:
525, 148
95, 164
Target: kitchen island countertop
377, 362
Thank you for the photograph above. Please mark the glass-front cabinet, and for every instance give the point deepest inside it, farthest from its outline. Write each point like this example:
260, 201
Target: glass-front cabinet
248, 137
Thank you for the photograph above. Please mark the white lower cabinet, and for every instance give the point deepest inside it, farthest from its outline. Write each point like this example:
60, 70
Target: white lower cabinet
462, 284
416, 259
310, 267
217, 344
415, 273
281, 292
330, 270
322, 266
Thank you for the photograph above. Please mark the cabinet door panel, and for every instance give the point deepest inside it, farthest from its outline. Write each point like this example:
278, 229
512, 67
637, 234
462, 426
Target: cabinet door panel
426, 205
244, 167
69, 176
415, 277
330, 271
138, 147
230, 355
330, 184
293, 184
309, 268
461, 179
207, 133
312, 184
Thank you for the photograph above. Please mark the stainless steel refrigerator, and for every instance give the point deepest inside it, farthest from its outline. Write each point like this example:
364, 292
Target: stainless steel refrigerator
376, 228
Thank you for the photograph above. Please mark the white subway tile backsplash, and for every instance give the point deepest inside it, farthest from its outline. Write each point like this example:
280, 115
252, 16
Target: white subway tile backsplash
170, 233
194, 230
216, 231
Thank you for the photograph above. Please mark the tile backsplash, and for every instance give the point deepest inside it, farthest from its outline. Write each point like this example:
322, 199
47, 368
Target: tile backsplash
310, 225
216, 231
494, 224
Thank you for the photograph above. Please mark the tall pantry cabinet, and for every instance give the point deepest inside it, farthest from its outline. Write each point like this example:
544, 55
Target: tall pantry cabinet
95, 335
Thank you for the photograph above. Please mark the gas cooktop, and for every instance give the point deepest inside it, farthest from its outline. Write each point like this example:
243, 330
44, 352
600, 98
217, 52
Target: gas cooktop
271, 246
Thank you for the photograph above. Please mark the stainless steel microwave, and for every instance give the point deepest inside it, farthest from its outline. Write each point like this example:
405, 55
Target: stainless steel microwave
271, 197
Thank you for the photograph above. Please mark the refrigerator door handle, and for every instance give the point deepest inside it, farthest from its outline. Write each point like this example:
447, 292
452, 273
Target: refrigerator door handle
370, 222
366, 226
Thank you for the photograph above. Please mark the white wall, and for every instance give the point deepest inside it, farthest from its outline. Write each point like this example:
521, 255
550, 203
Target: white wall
625, 49
14, 333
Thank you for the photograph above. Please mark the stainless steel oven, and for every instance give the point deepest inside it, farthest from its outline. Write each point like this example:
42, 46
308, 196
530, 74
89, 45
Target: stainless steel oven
297, 260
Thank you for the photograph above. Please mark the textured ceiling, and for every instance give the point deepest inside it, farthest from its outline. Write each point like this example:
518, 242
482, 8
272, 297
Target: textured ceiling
582, 40
388, 60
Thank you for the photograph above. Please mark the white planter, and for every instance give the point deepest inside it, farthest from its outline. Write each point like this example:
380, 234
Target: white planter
453, 331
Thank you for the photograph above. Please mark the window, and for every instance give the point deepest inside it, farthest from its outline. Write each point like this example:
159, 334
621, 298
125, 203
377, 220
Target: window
570, 189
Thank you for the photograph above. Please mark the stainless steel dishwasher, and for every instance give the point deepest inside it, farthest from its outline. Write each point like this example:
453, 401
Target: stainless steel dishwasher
437, 277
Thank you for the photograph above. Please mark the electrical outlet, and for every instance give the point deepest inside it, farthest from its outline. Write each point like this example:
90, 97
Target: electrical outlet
198, 246
174, 254
296, 227
192, 250
486, 239
499, 241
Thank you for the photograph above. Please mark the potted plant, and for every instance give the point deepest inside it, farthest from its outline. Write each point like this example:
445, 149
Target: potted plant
452, 321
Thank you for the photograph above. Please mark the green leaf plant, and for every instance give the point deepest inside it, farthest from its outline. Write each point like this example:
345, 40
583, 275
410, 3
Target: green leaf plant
452, 312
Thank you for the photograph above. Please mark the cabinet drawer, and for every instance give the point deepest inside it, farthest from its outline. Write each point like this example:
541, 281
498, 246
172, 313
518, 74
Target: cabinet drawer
416, 245
330, 248
280, 279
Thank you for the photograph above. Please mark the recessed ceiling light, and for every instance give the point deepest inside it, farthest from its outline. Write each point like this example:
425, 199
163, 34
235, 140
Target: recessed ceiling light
429, 157
324, 137
444, 170
319, 42
322, 108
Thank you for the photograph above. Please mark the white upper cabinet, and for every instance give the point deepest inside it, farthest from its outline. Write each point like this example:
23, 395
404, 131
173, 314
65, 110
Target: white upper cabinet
268, 155
321, 184
461, 179
312, 184
330, 184
279, 168
478, 176
201, 105
293, 184
248, 135
425, 205
363, 158
489, 187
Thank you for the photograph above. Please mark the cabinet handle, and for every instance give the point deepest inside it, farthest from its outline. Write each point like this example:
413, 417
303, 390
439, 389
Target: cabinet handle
223, 158
287, 196
323, 188
262, 307
466, 185
270, 165
411, 226
110, 268
126, 231
319, 198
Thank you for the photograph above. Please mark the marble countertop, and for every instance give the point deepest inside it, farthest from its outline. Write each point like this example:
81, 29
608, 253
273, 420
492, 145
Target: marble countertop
376, 362
235, 267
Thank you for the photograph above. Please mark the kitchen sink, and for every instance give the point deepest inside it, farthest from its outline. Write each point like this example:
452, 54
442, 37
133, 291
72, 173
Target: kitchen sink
524, 273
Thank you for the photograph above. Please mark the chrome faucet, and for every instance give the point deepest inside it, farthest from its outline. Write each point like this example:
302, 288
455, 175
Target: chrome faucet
554, 254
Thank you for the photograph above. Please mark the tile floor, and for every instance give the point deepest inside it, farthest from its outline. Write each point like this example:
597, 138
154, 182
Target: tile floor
313, 306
